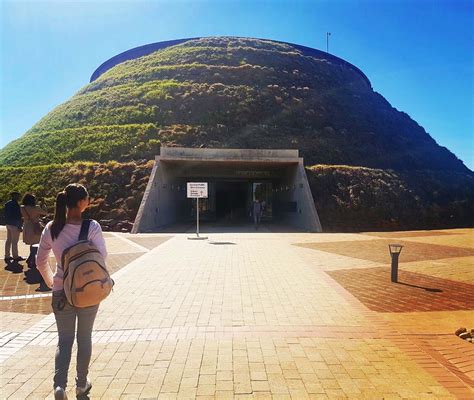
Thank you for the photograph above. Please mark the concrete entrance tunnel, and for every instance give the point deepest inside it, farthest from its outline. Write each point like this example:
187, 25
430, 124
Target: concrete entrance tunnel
236, 177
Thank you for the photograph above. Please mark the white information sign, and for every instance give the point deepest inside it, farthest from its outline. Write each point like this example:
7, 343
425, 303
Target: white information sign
197, 190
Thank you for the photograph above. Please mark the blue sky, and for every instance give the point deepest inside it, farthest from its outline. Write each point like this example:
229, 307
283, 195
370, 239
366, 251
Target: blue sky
418, 54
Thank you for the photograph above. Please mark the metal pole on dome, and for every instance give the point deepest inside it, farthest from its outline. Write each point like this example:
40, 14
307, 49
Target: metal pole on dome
327, 41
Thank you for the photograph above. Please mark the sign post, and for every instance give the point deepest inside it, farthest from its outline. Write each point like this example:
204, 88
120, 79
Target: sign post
197, 190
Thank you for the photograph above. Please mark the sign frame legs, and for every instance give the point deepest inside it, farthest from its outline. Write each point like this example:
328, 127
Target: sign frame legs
197, 237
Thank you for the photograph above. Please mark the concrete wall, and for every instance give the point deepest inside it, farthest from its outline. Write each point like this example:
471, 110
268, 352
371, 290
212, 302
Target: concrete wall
145, 219
305, 216
186, 153
162, 203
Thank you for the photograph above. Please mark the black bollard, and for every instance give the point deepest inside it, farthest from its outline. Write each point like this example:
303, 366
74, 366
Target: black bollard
395, 250
395, 267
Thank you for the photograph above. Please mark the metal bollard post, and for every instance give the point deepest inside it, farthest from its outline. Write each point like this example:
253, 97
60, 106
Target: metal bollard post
395, 267
395, 250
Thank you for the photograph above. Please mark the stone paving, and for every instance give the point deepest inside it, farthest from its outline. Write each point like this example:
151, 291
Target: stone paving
414, 291
264, 315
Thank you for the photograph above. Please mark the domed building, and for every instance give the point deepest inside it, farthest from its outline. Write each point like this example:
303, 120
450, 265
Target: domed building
297, 128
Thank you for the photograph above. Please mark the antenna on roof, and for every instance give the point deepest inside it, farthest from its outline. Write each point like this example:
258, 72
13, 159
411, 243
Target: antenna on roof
327, 41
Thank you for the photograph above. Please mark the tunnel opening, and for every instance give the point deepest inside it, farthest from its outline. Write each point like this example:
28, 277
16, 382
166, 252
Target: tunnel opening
232, 201
236, 178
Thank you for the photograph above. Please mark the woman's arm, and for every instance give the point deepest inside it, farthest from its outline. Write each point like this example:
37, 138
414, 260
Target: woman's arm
42, 257
97, 238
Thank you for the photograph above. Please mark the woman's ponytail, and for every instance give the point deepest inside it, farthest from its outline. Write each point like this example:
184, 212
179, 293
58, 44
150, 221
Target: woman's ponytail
59, 215
68, 198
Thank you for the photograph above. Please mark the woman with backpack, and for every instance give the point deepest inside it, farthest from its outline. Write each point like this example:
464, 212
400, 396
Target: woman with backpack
58, 235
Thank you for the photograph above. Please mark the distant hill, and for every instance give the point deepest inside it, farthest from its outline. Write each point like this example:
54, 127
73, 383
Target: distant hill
250, 93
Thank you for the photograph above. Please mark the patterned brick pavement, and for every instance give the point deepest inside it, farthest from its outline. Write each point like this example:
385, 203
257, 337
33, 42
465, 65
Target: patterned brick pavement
36, 303
454, 353
377, 250
257, 319
409, 234
18, 296
413, 292
460, 269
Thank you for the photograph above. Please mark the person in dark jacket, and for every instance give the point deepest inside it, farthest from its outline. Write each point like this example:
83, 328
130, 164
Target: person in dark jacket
257, 210
14, 223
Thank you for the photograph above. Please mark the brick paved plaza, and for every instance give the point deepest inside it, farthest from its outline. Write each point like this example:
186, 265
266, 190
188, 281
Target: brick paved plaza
261, 315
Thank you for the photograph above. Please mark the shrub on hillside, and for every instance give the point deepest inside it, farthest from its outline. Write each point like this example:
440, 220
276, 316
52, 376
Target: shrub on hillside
111, 185
357, 198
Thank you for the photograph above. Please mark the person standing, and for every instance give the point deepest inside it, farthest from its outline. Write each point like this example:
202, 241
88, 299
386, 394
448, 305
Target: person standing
14, 224
257, 213
58, 235
31, 214
32, 229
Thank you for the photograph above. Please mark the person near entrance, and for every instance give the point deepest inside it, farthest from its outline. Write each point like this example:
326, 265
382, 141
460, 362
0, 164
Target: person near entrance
14, 224
257, 210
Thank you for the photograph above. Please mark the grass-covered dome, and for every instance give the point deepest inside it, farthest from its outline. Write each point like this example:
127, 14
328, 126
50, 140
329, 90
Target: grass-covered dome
231, 92
240, 93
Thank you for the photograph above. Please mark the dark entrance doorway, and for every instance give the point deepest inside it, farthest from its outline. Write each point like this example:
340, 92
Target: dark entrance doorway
232, 200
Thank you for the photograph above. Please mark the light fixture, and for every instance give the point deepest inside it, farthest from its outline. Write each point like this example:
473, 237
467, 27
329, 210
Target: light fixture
395, 250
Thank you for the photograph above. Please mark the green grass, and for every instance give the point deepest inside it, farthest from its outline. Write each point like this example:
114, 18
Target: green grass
376, 166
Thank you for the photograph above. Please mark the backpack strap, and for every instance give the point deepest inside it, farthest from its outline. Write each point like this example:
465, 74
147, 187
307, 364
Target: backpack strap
84, 229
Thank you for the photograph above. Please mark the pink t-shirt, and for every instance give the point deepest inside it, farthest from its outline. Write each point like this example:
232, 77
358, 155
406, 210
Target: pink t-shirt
68, 236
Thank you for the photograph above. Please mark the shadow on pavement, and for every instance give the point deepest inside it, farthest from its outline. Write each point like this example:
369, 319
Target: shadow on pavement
421, 287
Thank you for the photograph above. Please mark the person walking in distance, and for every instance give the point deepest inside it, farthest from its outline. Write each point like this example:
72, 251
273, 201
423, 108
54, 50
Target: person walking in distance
257, 213
14, 225
58, 235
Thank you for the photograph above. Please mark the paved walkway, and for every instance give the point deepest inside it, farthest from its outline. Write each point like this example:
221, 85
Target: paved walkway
265, 315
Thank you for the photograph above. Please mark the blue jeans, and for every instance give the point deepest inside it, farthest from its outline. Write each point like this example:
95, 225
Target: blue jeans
66, 316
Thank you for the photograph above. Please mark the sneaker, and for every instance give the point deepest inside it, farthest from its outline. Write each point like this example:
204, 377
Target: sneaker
9, 266
8, 259
18, 259
60, 394
14, 267
82, 391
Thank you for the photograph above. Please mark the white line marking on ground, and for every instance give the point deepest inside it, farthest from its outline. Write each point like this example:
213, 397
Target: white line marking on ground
25, 296
130, 242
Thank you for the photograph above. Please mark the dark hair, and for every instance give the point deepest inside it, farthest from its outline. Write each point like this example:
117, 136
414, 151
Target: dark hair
14, 195
29, 200
68, 198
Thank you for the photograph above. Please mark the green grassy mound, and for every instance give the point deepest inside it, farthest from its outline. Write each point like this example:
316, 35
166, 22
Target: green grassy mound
224, 92
244, 93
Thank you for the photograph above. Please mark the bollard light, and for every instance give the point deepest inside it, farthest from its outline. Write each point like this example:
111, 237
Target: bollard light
395, 250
